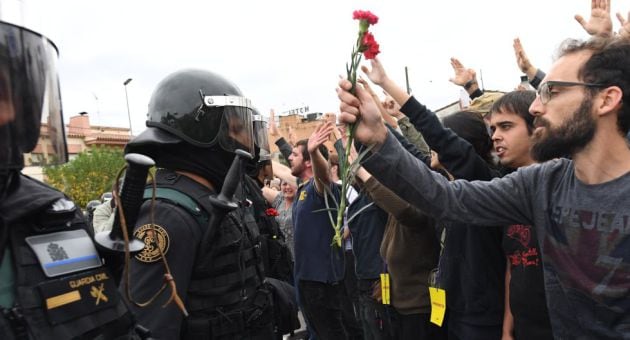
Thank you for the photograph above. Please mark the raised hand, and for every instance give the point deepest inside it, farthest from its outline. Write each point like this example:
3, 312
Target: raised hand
377, 74
522, 60
462, 74
366, 86
319, 136
384, 113
273, 129
292, 137
624, 31
362, 110
599, 24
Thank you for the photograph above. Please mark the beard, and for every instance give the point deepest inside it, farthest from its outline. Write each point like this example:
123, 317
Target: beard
566, 140
297, 170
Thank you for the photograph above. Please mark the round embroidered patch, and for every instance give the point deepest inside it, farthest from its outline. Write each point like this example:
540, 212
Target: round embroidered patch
153, 237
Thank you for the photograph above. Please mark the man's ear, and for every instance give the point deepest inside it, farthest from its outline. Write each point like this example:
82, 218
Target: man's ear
308, 164
610, 99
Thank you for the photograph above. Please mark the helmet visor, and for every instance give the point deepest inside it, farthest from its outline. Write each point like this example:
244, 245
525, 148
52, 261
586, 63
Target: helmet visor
261, 137
30, 101
236, 131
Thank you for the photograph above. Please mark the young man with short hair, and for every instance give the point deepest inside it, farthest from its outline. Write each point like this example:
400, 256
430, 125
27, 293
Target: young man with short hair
525, 314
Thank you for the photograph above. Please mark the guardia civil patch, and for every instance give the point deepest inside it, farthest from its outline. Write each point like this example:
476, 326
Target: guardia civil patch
64, 252
155, 238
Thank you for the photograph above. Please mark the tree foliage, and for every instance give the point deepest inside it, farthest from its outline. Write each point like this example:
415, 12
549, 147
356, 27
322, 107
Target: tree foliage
87, 176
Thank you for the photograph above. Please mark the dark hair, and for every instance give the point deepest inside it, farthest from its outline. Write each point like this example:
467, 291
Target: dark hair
516, 102
471, 127
609, 64
334, 160
304, 147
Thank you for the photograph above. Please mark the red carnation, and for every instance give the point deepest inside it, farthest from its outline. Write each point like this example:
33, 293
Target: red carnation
365, 15
369, 46
272, 212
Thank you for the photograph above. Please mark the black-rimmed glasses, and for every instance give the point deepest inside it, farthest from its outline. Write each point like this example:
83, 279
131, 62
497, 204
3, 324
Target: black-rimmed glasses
545, 89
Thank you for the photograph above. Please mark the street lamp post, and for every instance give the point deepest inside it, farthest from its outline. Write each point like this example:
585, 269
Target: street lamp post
127, 98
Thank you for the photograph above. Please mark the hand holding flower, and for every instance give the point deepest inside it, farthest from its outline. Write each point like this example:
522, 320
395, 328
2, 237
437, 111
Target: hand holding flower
370, 128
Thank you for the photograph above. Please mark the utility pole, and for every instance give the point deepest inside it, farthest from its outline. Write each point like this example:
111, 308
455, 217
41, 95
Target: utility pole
407, 80
127, 98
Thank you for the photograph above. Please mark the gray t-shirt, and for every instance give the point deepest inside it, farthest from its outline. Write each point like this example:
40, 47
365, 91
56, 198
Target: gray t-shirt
583, 231
284, 219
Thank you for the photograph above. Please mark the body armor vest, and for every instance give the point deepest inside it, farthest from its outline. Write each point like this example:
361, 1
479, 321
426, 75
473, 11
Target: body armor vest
225, 294
59, 307
277, 259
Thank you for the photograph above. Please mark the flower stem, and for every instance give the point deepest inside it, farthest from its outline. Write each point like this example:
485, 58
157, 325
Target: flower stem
345, 166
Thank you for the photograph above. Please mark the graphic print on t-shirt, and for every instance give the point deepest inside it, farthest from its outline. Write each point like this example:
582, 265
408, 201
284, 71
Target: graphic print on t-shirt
523, 252
594, 247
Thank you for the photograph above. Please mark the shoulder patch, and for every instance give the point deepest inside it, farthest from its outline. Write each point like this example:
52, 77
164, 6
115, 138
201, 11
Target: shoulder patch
155, 238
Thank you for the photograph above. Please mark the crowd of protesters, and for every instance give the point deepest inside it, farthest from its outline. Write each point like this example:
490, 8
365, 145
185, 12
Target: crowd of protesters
541, 253
506, 220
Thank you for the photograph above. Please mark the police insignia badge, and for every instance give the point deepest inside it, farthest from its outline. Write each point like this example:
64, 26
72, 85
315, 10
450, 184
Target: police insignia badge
155, 238
64, 252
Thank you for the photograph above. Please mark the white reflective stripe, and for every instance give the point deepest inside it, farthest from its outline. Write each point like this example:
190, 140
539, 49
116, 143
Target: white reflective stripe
227, 101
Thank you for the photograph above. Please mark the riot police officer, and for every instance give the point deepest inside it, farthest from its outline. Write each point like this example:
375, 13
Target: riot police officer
277, 259
52, 281
196, 120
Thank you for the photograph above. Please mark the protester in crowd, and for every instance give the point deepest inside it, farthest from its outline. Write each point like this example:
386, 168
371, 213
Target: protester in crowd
363, 233
576, 204
103, 216
526, 315
282, 201
472, 265
409, 249
350, 297
320, 272
319, 268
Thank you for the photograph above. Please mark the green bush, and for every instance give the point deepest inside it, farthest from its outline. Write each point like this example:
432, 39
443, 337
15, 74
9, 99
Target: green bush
87, 176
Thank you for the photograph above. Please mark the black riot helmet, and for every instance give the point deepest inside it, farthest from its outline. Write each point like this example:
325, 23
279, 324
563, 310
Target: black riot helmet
30, 99
261, 136
197, 107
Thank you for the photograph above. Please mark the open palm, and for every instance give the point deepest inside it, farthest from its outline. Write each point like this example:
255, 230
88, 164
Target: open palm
599, 24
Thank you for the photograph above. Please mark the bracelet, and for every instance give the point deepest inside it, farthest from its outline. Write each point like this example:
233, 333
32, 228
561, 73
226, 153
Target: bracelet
469, 84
